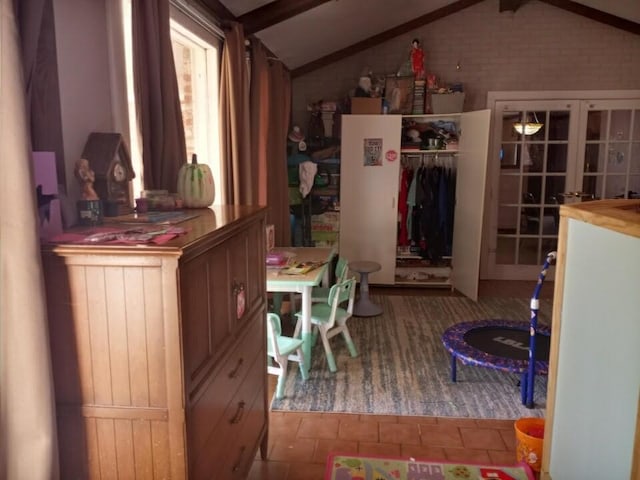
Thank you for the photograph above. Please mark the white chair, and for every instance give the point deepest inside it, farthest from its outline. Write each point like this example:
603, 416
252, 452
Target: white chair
330, 318
282, 349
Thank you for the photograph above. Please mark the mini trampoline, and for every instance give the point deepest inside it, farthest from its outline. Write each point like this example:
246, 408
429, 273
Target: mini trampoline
507, 345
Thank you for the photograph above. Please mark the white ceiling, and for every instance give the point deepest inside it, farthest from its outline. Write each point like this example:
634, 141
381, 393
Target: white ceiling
338, 24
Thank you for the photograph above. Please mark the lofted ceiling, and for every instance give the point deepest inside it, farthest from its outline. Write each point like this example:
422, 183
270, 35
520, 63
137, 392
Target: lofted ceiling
308, 34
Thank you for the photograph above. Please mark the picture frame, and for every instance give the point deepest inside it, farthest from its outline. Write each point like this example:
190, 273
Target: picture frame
398, 93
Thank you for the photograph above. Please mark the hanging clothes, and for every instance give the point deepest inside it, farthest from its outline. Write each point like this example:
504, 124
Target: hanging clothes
425, 210
405, 179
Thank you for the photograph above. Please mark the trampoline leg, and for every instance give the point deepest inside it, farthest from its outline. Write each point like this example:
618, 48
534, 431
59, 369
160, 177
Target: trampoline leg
523, 388
453, 368
529, 402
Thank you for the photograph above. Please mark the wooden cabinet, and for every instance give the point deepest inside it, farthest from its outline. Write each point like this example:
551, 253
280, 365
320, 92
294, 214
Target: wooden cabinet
159, 358
593, 415
370, 192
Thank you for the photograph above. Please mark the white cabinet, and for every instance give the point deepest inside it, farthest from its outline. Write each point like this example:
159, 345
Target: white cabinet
370, 169
369, 193
593, 419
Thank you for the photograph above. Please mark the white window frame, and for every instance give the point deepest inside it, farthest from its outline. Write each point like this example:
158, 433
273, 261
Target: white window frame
190, 25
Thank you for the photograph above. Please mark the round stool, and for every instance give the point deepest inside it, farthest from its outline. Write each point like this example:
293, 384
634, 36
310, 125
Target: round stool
363, 306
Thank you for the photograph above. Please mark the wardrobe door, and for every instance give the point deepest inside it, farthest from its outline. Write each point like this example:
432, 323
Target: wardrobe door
470, 193
369, 191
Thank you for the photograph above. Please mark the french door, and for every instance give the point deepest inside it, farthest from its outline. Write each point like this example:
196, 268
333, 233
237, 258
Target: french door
546, 153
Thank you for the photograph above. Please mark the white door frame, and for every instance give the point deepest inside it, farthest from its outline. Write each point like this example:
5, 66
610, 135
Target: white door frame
494, 145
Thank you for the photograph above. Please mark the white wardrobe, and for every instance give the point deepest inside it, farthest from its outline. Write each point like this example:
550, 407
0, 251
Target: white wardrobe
369, 186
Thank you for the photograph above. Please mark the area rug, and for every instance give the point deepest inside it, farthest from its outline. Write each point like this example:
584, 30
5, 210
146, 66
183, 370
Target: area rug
403, 368
350, 467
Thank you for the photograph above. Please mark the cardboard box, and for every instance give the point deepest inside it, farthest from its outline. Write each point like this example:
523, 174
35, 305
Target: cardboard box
366, 105
447, 102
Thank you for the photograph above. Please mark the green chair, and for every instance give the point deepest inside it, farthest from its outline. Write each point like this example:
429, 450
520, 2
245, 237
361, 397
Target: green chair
330, 318
321, 294
282, 349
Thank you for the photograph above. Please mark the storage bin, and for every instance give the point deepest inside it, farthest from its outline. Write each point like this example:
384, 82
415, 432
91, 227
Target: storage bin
366, 105
529, 437
447, 102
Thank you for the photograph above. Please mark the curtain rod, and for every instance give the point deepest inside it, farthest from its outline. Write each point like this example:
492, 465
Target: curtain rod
199, 16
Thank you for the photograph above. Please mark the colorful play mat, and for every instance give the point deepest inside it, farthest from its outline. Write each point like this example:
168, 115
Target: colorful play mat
355, 467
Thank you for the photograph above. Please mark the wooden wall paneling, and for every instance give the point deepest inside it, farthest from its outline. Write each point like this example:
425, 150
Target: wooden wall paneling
136, 337
79, 324
155, 336
98, 335
125, 460
142, 448
117, 335
173, 368
93, 449
107, 447
165, 463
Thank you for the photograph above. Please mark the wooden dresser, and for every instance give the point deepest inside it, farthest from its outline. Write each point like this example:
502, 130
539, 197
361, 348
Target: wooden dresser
158, 371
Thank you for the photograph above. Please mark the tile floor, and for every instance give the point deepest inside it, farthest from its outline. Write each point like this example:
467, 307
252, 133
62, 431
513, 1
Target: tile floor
300, 442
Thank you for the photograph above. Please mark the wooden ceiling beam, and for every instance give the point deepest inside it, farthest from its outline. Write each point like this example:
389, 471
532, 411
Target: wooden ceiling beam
275, 12
595, 14
384, 36
218, 10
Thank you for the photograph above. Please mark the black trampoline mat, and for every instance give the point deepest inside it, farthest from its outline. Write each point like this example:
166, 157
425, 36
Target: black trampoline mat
507, 342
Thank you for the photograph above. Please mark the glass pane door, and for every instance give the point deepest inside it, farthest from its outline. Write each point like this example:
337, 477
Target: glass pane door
610, 149
534, 174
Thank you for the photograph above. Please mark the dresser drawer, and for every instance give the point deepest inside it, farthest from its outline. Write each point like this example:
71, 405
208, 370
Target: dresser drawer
221, 291
247, 269
239, 460
208, 401
245, 408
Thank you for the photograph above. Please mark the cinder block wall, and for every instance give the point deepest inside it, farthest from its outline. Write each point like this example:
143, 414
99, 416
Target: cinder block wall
539, 47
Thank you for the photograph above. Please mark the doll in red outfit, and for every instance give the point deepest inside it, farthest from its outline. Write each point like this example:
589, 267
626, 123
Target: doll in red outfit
417, 59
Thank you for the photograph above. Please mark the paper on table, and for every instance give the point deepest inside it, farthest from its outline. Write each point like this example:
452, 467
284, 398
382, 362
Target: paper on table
300, 268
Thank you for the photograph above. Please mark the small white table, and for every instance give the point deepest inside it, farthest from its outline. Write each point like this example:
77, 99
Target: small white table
364, 307
277, 282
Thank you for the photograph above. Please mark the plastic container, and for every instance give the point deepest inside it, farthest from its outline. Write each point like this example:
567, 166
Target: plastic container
447, 102
529, 440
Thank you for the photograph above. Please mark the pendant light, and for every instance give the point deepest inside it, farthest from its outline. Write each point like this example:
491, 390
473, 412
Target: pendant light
528, 128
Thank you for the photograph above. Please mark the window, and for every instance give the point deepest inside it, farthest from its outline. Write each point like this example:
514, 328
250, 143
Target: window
196, 50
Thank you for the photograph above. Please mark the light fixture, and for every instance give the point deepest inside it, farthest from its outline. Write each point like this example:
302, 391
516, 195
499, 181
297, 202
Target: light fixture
528, 128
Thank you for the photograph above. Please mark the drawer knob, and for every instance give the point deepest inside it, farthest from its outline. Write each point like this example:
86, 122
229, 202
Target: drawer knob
234, 373
236, 467
240, 298
237, 418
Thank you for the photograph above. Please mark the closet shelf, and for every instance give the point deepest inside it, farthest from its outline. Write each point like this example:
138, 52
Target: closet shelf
426, 152
427, 282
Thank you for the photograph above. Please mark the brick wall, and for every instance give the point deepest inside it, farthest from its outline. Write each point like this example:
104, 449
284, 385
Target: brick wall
539, 47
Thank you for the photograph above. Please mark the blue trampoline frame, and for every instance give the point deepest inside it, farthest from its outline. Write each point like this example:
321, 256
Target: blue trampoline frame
453, 341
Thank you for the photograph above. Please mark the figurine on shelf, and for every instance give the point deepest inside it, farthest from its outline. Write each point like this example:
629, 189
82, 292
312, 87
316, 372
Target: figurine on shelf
86, 177
364, 84
417, 59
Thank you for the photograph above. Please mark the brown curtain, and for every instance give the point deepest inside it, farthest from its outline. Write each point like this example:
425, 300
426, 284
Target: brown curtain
157, 98
39, 58
270, 110
238, 165
28, 447
278, 181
